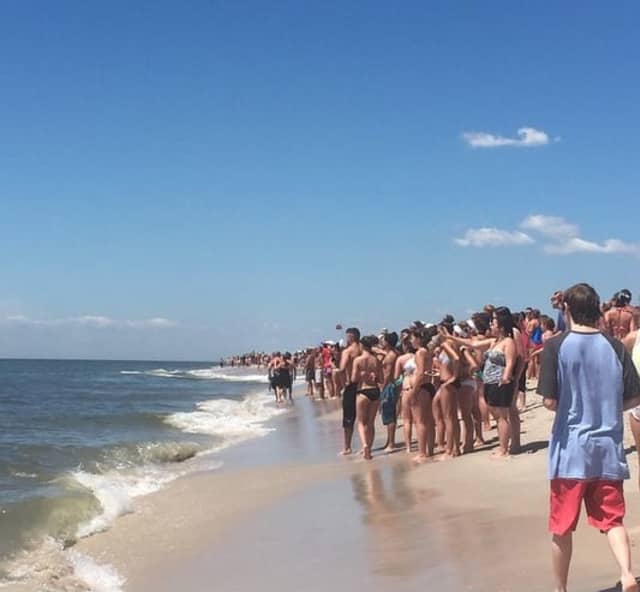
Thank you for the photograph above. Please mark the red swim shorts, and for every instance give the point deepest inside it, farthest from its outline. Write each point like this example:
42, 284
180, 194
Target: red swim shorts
604, 501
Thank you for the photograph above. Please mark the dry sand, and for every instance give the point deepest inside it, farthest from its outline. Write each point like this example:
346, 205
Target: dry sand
285, 513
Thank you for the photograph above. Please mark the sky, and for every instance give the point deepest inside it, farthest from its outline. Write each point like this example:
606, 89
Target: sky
181, 181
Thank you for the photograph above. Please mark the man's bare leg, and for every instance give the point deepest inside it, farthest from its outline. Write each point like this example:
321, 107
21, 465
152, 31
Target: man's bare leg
561, 549
348, 437
391, 438
621, 549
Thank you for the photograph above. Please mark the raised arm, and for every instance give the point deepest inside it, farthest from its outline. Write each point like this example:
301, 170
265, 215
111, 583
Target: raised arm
470, 359
479, 344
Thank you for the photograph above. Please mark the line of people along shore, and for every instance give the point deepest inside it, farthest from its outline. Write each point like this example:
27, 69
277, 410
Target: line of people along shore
445, 380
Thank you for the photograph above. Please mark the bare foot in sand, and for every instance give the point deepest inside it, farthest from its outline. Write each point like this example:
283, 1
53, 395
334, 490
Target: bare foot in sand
445, 456
389, 449
346, 452
420, 459
479, 442
408, 450
499, 456
628, 584
366, 452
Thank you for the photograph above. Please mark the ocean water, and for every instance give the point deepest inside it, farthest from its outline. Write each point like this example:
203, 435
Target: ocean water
80, 440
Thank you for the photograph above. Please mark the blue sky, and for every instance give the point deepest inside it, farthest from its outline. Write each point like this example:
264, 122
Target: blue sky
180, 181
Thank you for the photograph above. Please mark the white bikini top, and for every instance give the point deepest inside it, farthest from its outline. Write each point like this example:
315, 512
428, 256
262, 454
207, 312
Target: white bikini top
444, 358
409, 367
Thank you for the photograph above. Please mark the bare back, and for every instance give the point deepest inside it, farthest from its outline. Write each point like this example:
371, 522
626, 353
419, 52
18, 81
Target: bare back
367, 371
347, 359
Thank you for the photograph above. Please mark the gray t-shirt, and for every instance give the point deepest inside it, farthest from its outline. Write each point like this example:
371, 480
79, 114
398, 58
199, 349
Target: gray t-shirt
590, 375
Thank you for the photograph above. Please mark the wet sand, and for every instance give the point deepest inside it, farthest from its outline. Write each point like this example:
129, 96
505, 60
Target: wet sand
286, 513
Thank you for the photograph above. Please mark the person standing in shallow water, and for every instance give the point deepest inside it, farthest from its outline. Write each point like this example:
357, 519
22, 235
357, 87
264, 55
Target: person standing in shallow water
367, 375
587, 379
351, 352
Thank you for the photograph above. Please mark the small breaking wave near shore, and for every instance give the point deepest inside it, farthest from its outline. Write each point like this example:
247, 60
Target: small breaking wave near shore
128, 442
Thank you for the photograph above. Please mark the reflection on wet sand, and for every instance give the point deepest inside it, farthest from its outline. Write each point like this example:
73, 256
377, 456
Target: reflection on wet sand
399, 541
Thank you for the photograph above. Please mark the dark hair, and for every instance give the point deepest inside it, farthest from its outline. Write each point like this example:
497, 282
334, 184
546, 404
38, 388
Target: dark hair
355, 332
489, 308
447, 325
425, 335
548, 323
391, 339
503, 315
406, 345
369, 341
584, 304
482, 321
448, 320
622, 298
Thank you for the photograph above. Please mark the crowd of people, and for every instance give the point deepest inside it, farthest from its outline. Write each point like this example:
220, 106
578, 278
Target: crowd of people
446, 381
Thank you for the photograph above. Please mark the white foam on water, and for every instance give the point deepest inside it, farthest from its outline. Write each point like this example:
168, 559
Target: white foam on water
232, 421
115, 491
48, 566
98, 577
216, 374
203, 374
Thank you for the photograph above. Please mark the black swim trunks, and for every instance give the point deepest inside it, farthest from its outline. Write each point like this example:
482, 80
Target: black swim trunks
373, 394
349, 405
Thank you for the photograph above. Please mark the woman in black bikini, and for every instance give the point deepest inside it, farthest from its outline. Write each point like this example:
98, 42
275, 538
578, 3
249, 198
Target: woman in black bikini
367, 374
420, 396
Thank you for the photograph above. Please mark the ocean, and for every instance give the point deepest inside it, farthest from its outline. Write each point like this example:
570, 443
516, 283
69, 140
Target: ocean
80, 440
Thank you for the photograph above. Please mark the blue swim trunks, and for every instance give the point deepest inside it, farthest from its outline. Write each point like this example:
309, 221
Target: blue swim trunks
388, 404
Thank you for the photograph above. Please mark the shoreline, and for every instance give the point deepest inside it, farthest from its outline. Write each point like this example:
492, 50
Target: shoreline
288, 501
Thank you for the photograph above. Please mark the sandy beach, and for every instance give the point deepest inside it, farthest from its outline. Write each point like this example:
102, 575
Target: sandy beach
286, 513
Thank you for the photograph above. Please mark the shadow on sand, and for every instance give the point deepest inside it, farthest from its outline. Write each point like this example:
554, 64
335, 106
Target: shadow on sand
616, 587
533, 447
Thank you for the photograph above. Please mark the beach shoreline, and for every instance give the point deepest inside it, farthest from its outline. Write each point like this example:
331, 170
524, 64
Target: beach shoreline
285, 512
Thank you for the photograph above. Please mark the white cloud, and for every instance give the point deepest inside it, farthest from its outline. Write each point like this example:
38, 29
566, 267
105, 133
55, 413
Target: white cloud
551, 226
492, 237
580, 245
561, 237
526, 137
95, 321
566, 240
